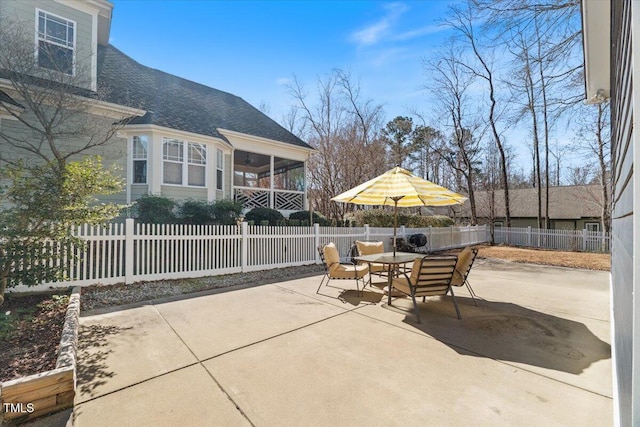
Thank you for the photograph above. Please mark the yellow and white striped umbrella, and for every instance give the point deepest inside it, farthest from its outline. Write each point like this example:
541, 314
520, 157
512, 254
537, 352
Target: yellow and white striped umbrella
399, 187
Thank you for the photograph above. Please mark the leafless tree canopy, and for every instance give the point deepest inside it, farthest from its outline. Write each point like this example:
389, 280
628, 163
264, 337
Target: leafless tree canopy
344, 128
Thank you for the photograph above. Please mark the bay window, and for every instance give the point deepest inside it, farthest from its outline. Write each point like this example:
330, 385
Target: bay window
197, 161
219, 169
183, 162
139, 156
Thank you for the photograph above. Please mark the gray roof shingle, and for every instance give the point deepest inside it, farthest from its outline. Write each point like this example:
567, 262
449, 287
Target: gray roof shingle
181, 104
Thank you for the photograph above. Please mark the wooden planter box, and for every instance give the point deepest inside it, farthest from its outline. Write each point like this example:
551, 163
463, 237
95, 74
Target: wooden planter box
40, 394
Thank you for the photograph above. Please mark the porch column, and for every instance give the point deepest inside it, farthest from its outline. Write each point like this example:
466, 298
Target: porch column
305, 199
271, 186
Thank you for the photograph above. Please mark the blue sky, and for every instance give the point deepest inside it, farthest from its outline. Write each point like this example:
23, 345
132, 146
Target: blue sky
251, 48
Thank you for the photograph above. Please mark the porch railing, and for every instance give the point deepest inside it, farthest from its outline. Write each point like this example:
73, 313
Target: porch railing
261, 198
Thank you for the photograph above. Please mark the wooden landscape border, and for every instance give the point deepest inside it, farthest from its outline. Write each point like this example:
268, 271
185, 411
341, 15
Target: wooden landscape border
47, 392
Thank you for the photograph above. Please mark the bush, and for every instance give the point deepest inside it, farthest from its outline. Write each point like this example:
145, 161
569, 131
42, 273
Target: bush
226, 212
384, 218
304, 216
196, 212
260, 215
155, 210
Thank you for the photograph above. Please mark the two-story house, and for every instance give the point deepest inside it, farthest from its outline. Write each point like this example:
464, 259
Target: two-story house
182, 140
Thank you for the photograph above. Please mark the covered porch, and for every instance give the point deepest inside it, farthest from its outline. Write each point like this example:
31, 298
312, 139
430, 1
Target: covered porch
269, 181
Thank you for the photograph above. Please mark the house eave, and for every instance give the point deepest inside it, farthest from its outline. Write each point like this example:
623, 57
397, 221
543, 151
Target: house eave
96, 105
116, 108
596, 30
132, 129
230, 133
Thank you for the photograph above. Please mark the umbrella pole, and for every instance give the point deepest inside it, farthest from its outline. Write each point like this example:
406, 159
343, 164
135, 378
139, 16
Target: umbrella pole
395, 225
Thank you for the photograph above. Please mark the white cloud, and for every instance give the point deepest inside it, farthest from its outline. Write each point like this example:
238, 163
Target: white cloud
418, 32
371, 34
283, 81
378, 30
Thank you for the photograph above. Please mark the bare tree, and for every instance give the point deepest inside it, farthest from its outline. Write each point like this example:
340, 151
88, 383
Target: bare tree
53, 108
550, 33
450, 82
558, 154
489, 182
462, 21
292, 122
525, 81
581, 174
594, 137
344, 130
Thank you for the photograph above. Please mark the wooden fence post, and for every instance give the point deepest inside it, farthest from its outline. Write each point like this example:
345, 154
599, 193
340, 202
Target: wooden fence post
129, 229
366, 232
584, 239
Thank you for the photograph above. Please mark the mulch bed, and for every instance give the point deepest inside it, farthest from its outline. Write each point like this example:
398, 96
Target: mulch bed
30, 331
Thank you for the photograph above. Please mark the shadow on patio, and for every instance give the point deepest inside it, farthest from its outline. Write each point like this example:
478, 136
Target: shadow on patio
93, 350
510, 332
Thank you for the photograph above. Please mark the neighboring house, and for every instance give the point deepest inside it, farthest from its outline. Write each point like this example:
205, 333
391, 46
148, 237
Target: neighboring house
612, 64
574, 207
186, 140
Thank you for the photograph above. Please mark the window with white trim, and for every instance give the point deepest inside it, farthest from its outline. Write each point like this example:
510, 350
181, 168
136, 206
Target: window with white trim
592, 226
139, 156
56, 42
184, 162
219, 169
197, 161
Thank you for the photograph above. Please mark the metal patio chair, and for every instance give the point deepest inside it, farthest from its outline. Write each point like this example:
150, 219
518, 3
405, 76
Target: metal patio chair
334, 270
430, 276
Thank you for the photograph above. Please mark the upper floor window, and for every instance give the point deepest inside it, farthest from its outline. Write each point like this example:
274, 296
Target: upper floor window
56, 42
139, 156
178, 171
219, 169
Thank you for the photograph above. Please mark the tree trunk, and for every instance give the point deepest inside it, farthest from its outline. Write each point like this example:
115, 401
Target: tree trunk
545, 118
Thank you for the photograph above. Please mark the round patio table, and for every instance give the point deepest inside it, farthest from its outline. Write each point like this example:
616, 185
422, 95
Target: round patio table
391, 261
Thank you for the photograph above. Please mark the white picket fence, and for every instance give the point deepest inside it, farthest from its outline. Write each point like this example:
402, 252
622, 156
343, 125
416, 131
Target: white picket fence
129, 252
563, 240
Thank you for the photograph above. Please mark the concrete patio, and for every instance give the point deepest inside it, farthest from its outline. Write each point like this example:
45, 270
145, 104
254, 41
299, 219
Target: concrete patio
535, 352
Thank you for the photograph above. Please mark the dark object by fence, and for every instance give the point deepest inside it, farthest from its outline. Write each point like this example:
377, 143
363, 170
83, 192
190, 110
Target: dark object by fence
418, 239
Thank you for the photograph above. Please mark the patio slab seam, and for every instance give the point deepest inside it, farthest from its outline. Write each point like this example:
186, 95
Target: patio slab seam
91, 399
237, 406
201, 361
